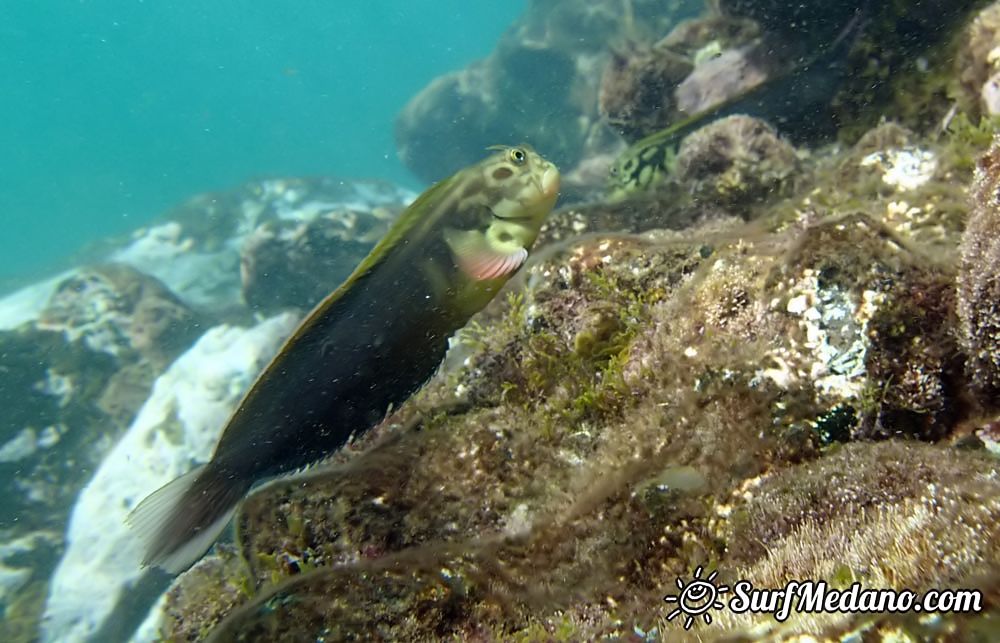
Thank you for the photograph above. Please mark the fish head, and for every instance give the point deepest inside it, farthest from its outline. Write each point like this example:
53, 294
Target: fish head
519, 185
620, 177
519, 188
516, 188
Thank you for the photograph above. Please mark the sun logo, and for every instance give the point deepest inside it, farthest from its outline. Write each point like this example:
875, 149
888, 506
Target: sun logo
696, 598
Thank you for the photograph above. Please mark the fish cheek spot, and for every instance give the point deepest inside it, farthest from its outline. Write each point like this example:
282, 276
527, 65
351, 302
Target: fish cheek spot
502, 173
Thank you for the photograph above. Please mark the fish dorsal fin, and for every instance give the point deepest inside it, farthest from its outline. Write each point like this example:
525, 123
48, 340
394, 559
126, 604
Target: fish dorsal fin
414, 215
479, 259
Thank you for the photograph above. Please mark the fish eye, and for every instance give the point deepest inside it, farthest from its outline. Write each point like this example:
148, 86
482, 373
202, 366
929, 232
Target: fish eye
517, 156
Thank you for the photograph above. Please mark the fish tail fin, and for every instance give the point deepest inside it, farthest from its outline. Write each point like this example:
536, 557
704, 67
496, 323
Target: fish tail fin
178, 522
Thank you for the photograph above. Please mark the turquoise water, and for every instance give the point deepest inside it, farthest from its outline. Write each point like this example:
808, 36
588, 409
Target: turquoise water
114, 110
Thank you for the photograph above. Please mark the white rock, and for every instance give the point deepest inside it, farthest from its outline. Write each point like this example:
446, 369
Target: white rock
206, 280
26, 304
177, 427
904, 169
991, 94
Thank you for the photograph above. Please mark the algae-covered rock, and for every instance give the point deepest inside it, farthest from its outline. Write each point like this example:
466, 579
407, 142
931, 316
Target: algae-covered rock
721, 77
763, 375
761, 367
979, 284
117, 310
699, 65
199, 601
892, 515
810, 19
736, 161
614, 414
977, 64
815, 70
636, 94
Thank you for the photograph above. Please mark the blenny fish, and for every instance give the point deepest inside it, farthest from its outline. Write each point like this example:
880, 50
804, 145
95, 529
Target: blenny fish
793, 98
368, 346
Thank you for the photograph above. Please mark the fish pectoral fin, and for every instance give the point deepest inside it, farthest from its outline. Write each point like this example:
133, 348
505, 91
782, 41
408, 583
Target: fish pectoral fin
481, 260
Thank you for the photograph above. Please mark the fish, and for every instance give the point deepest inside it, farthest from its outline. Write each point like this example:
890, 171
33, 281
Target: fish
791, 100
365, 348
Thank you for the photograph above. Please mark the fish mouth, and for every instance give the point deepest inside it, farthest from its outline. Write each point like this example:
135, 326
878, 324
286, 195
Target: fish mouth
550, 182
526, 217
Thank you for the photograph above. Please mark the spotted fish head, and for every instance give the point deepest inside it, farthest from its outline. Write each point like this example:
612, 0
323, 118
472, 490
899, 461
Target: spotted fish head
639, 168
513, 190
623, 175
517, 184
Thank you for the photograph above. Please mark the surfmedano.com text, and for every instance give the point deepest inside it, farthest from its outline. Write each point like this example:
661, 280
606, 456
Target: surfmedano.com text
818, 596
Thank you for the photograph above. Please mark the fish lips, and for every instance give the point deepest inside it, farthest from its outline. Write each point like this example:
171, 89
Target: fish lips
550, 182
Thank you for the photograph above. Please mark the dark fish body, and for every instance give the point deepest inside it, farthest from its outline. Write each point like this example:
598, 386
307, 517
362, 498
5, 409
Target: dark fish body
369, 345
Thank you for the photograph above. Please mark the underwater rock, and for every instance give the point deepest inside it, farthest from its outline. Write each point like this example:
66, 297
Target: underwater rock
294, 263
117, 310
637, 90
75, 371
53, 430
978, 65
879, 324
735, 160
53, 433
856, 478
202, 597
906, 64
711, 392
702, 62
724, 76
816, 70
978, 282
818, 20
539, 86
26, 304
195, 248
890, 515
177, 426
522, 93
615, 410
